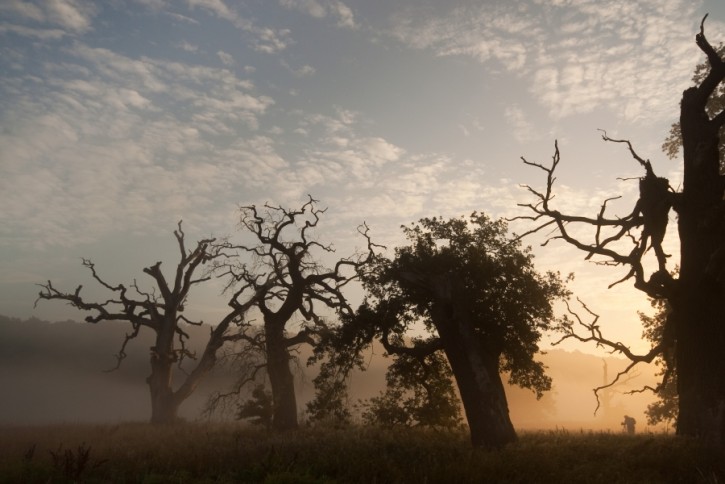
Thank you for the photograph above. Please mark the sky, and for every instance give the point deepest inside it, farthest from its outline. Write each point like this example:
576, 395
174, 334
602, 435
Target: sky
120, 118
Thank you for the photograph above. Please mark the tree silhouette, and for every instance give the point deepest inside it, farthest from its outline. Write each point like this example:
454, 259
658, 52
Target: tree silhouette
715, 104
290, 287
694, 331
161, 310
419, 393
476, 294
664, 409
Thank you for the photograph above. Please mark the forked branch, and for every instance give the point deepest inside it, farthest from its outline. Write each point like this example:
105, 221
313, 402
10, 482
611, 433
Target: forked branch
593, 333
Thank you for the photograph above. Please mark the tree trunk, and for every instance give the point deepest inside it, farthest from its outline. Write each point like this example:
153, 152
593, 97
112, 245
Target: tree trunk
164, 405
284, 401
699, 300
476, 372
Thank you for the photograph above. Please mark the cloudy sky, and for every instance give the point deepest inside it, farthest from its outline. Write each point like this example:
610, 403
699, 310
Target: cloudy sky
119, 118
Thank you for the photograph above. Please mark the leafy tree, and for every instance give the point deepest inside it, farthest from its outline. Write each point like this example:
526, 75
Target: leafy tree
258, 409
339, 352
664, 409
288, 285
694, 330
419, 392
162, 311
476, 294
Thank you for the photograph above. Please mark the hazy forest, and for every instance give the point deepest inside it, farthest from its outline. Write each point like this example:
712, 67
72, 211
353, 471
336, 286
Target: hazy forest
421, 362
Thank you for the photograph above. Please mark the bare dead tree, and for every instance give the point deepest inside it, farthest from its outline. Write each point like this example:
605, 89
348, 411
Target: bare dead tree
288, 282
161, 310
695, 328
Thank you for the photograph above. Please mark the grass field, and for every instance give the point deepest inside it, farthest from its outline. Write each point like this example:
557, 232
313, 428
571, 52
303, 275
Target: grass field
232, 453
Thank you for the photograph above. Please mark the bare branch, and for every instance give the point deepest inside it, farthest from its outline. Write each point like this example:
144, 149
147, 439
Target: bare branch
593, 333
645, 163
122, 352
648, 220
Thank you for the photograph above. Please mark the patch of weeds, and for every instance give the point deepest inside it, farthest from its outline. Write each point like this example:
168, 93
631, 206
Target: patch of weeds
73, 464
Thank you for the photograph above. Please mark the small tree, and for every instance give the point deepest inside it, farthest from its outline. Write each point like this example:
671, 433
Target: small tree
477, 295
664, 409
419, 392
258, 409
161, 310
287, 281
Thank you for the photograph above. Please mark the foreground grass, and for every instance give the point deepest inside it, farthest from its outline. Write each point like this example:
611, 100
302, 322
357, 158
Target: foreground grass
231, 453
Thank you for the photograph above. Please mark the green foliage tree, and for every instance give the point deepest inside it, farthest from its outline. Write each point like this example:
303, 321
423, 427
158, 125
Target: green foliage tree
258, 409
419, 393
339, 352
476, 294
664, 409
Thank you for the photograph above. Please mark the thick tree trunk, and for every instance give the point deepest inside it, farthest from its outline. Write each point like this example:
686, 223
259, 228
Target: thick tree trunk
164, 405
699, 301
476, 372
284, 401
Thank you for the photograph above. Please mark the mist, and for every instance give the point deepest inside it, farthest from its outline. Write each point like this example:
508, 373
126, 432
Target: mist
58, 373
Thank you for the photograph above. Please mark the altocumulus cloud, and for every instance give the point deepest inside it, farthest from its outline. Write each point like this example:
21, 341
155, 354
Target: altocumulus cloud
565, 48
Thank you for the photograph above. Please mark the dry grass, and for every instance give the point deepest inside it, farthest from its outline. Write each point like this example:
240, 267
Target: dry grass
232, 453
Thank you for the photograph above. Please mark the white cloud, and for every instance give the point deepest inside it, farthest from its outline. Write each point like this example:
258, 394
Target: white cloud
24, 9
216, 6
310, 7
343, 13
124, 143
577, 56
156, 5
304, 71
324, 8
42, 34
226, 58
73, 15
266, 40
523, 131
188, 47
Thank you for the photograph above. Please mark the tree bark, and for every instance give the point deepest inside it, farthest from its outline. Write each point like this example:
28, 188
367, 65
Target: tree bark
476, 371
699, 302
164, 404
284, 401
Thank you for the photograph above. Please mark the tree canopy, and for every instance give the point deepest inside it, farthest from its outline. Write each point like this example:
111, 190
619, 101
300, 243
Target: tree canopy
473, 293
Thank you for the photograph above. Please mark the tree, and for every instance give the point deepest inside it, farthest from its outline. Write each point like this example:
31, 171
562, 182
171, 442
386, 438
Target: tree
287, 281
258, 409
419, 392
161, 310
476, 294
664, 409
694, 330
715, 104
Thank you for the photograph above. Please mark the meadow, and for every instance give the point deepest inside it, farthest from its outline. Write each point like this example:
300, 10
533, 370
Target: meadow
226, 453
